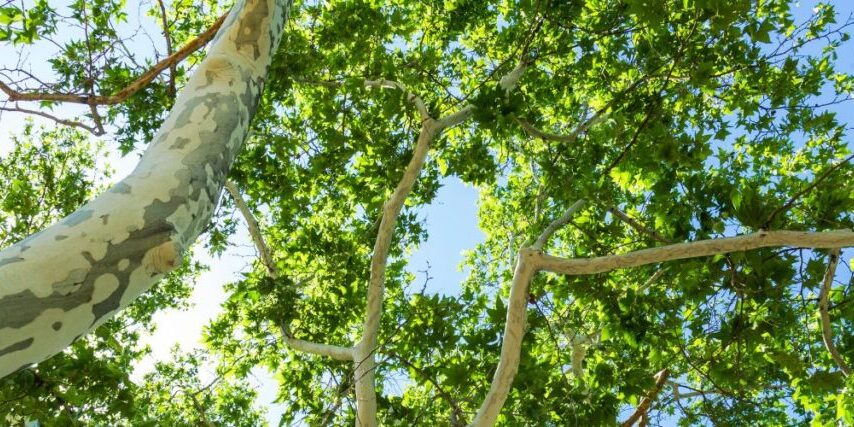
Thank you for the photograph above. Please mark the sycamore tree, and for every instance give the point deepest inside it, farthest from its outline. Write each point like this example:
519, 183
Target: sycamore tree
665, 190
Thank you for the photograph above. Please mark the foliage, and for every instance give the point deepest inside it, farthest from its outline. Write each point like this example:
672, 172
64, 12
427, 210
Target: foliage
718, 119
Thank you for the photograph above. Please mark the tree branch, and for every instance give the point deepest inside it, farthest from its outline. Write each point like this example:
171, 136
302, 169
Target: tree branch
94, 130
530, 129
578, 345
127, 91
557, 224
643, 407
804, 191
363, 351
166, 36
514, 327
761, 239
637, 225
254, 230
333, 351
531, 261
336, 352
410, 97
826, 331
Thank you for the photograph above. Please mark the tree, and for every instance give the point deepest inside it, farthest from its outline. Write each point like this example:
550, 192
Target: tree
664, 189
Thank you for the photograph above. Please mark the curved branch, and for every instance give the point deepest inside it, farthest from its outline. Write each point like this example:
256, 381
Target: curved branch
64, 281
532, 130
557, 224
646, 402
119, 97
826, 331
332, 351
762, 239
410, 97
363, 352
94, 130
531, 261
514, 327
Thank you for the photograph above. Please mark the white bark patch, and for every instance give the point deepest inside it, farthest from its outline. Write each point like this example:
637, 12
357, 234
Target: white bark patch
105, 285
59, 284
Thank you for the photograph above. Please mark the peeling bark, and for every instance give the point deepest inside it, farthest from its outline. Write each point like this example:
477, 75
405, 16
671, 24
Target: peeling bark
62, 282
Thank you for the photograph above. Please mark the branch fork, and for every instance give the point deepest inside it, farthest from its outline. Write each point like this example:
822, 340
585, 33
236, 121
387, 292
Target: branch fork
533, 259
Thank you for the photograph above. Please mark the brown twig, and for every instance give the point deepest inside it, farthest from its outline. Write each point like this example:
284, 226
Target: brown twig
128, 90
171, 91
646, 402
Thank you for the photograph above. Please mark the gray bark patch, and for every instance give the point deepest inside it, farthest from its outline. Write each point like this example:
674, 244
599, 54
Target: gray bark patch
18, 346
78, 217
155, 232
248, 31
121, 188
11, 260
179, 143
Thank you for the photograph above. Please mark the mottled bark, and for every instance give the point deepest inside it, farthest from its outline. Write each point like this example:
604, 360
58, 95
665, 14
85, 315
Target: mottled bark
62, 282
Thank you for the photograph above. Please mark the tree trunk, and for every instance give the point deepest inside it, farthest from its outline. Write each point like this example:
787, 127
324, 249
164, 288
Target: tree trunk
62, 282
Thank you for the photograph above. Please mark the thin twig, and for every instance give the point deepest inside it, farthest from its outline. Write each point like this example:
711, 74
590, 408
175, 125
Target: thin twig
171, 91
94, 130
127, 91
637, 225
801, 193
646, 402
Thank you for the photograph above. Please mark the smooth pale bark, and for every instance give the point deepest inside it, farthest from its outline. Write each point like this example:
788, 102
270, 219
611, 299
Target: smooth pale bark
824, 316
62, 282
254, 230
761, 239
364, 351
532, 260
514, 326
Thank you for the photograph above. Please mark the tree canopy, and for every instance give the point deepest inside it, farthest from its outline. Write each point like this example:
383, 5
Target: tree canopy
618, 148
